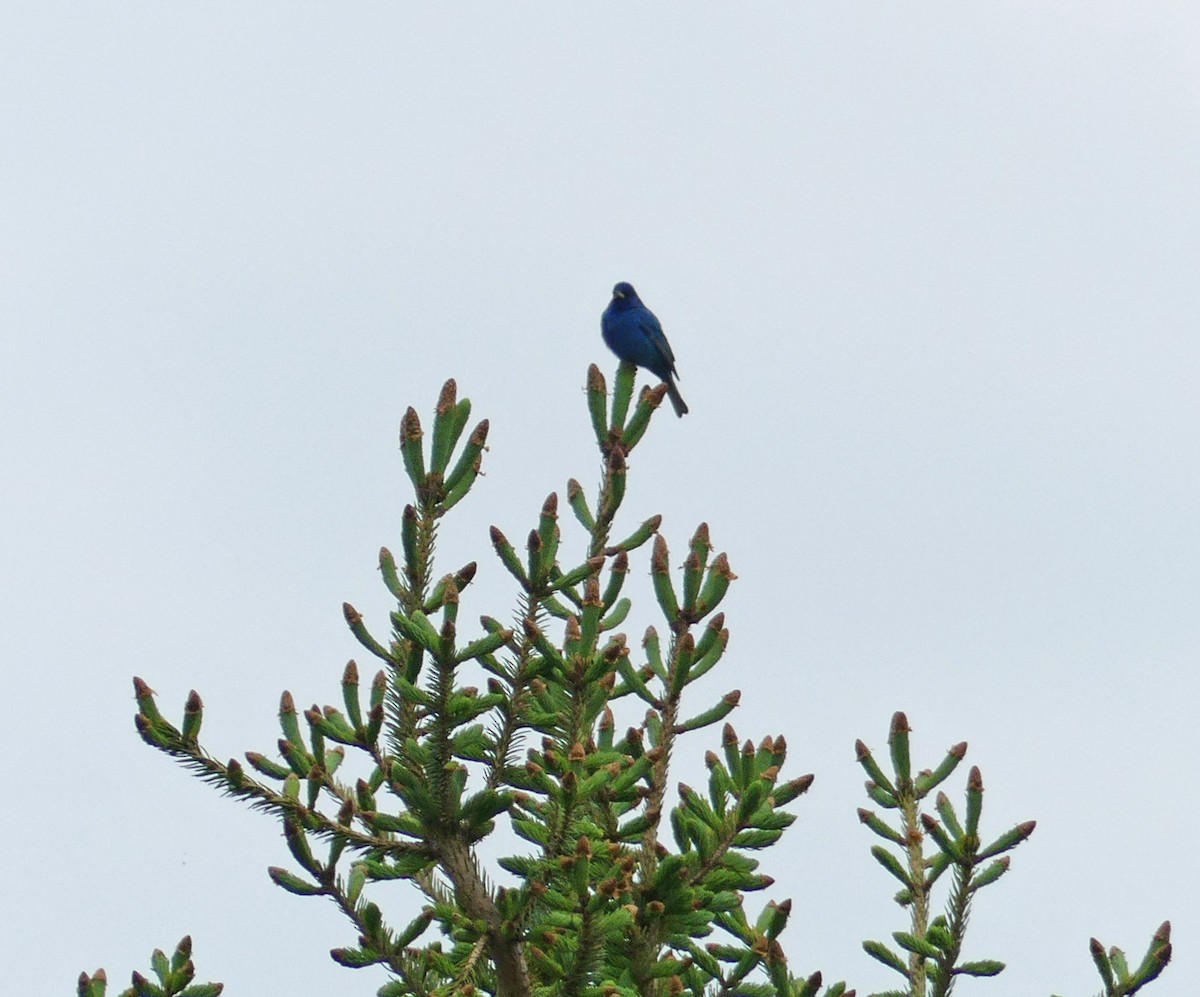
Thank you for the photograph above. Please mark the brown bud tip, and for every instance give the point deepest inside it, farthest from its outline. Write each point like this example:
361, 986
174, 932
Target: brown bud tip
711, 760
732, 699
498, 538
813, 983
577, 754
864, 815
466, 573
447, 398
928, 822
804, 782
350, 675
861, 751
959, 750
721, 566
770, 773
691, 562
574, 488
900, 724
595, 380
550, 506
781, 745
1163, 933
1096, 948
286, 703
140, 689
658, 558
975, 779
654, 395
353, 616
410, 425
728, 735
767, 744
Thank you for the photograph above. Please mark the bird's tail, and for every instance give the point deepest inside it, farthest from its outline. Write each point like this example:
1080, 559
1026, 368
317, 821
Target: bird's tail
677, 401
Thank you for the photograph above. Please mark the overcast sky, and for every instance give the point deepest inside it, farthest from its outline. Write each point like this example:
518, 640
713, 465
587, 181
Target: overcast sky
930, 274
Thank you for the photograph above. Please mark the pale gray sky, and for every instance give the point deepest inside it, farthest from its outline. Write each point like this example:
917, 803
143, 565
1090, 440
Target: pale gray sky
930, 276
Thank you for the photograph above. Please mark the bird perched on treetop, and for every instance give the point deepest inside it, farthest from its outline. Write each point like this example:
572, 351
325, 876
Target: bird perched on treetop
633, 333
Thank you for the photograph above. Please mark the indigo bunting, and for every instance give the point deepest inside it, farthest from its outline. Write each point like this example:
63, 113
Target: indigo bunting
633, 333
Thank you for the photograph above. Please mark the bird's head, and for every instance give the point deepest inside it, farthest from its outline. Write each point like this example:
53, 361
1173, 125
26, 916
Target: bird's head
624, 295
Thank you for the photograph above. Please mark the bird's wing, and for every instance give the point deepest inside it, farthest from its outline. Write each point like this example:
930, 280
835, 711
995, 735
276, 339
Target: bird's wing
653, 330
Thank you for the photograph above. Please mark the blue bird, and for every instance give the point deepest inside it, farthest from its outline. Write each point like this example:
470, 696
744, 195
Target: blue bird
633, 333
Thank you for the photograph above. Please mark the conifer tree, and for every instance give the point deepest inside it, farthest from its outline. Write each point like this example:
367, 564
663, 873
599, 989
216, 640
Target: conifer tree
624, 884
